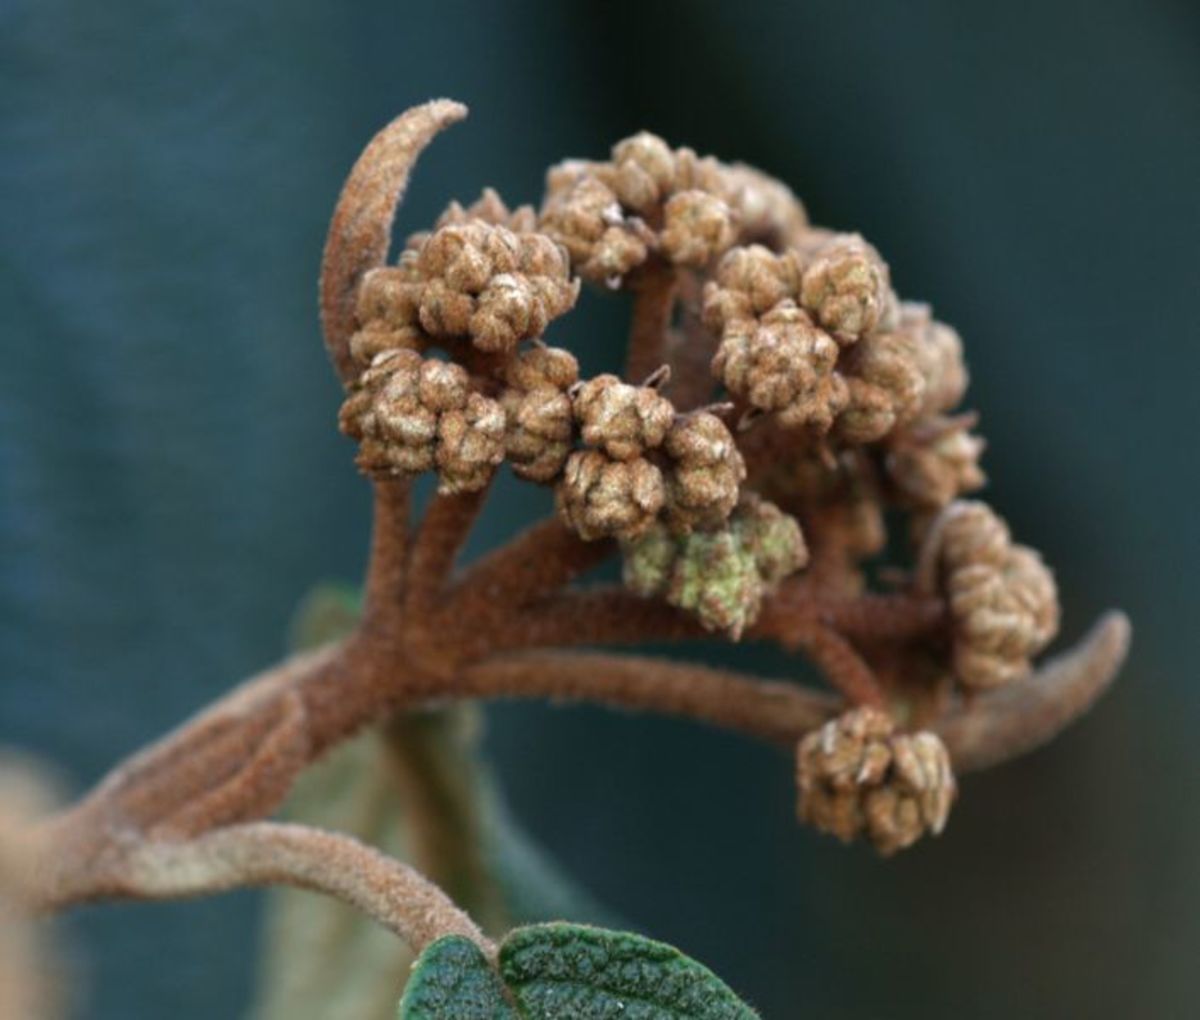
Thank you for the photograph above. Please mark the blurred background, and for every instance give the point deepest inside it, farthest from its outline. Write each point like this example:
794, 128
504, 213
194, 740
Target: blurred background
171, 480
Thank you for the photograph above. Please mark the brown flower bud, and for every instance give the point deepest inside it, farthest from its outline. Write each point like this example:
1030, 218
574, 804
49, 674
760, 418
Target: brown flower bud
750, 281
643, 171
625, 420
885, 384
697, 227
935, 461
490, 208
538, 412
600, 497
939, 355
412, 414
705, 474
376, 337
583, 215
857, 776
847, 288
1003, 600
470, 445
488, 283
783, 363
389, 295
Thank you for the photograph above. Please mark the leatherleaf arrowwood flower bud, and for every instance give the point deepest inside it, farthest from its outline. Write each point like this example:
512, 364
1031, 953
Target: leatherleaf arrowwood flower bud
750, 281
1003, 600
624, 420
939, 355
857, 776
583, 215
412, 414
935, 460
847, 288
643, 171
782, 363
705, 473
538, 410
885, 386
697, 227
485, 282
720, 576
599, 497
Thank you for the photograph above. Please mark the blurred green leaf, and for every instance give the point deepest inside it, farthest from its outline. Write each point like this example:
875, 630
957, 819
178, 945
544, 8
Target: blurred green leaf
452, 980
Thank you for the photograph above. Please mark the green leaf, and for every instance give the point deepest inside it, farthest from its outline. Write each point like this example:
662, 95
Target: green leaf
559, 971
452, 980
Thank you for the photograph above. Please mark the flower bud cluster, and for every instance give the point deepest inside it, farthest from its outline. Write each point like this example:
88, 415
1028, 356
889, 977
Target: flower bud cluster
412, 414
468, 279
720, 576
857, 776
611, 216
643, 460
1002, 597
772, 356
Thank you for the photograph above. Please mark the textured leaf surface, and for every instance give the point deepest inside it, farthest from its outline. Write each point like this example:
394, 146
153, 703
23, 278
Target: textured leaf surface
574, 972
452, 980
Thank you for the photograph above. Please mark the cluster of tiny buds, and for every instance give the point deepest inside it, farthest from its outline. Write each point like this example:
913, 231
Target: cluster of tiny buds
842, 396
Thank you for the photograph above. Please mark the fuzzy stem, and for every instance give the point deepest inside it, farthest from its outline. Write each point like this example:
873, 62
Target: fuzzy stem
690, 349
537, 562
386, 571
653, 286
774, 711
443, 530
269, 853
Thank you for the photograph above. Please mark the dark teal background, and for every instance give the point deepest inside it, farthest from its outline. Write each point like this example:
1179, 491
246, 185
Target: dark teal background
171, 480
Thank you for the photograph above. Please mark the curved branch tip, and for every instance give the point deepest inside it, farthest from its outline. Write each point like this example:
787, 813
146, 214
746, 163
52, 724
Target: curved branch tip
361, 228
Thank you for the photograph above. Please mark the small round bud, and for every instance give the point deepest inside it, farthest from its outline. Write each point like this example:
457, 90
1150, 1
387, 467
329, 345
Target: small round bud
782, 363
718, 581
936, 461
697, 227
583, 215
857, 776
648, 561
622, 419
483, 281
643, 171
705, 474
1003, 600
470, 445
847, 288
600, 497
885, 386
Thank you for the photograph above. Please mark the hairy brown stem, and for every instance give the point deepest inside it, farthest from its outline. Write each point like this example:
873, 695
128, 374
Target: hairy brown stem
690, 348
653, 286
80, 849
268, 853
386, 567
443, 530
540, 560
773, 711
